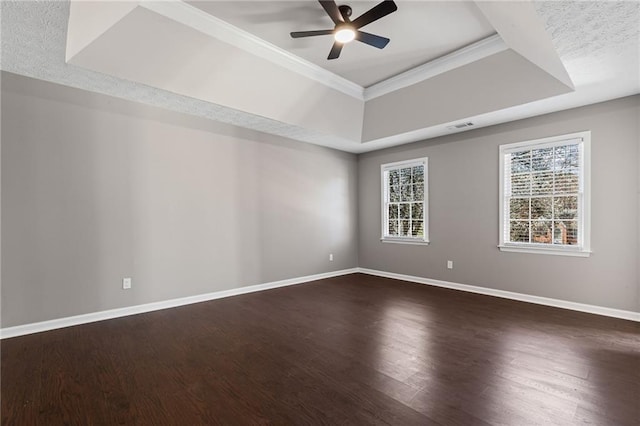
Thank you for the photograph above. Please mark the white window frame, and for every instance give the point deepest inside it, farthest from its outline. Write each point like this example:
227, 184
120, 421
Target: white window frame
424, 240
583, 249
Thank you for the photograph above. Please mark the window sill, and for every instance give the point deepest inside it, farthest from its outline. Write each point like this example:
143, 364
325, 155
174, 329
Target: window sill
405, 241
545, 250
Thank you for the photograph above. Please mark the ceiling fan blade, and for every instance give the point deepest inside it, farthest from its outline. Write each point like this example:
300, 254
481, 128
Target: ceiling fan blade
375, 13
372, 39
335, 50
298, 34
332, 10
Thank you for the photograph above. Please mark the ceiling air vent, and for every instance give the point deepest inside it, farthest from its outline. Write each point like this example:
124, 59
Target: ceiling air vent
460, 126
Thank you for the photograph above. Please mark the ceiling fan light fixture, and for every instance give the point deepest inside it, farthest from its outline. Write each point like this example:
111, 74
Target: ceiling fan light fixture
346, 29
345, 35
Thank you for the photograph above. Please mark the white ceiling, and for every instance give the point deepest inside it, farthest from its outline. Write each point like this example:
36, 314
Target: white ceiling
420, 31
598, 43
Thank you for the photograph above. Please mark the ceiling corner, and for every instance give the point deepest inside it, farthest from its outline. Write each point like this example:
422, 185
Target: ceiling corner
522, 30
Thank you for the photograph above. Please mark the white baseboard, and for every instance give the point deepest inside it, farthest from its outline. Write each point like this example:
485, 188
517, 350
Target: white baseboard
592, 309
37, 327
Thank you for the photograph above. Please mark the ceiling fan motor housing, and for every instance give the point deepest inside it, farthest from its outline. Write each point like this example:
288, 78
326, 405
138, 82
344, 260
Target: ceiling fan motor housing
345, 10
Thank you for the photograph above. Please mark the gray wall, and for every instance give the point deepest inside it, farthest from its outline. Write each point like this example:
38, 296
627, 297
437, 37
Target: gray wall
95, 189
463, 188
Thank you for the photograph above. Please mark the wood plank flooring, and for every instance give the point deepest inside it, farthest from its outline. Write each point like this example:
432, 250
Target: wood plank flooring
356, 349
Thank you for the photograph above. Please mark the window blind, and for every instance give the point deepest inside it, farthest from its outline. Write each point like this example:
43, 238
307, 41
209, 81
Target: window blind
543, 190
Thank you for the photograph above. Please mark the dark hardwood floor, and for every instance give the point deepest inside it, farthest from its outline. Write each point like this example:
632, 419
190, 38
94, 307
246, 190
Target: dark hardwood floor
355, 349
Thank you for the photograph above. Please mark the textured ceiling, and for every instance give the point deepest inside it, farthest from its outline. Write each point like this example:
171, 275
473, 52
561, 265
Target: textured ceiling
420, 31
595, 40
598, 42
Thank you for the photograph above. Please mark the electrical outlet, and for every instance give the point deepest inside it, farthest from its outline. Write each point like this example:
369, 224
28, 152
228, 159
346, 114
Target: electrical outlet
330, 257
126, 283
449, 264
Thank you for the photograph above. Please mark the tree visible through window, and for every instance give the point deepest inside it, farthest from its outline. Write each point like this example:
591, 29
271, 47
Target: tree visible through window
544, 202
404, 213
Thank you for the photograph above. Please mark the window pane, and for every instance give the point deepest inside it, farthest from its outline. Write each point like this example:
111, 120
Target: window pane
418, 174
394, 177
521, 184
566, 182
519, 208
565, 207
567, 157
541, 232
405, 176
542, 183
541, 208
416, 229
393, 227
418, 192
416, 211
542, 159
559, 233
394, 194
405, 193
393, 211
521, 162
404, 228
405, 212
573, 157
519, 232
566, 232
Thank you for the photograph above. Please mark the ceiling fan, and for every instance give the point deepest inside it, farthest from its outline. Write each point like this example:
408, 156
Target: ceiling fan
346, 30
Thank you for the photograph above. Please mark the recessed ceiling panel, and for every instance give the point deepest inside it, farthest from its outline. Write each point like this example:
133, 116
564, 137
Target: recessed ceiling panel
419, 31
490, 84
184, 61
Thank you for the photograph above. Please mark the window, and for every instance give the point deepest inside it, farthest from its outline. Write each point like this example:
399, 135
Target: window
404, 202
544, 195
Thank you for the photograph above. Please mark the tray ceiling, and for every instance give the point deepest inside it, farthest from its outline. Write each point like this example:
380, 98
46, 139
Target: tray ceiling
419, 31
598, 42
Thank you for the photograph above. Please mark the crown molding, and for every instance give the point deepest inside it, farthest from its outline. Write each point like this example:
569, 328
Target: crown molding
471, 53
199, 20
